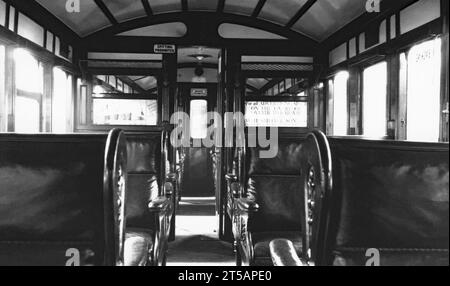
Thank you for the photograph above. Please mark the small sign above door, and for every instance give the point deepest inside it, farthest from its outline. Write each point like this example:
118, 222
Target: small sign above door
199, 92
164, 49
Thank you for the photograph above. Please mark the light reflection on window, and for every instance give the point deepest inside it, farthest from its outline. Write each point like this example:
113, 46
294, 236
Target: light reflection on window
424, 83
375, 100
29, 73
340, 108
27, 115
29, 82
125, 112
199, 119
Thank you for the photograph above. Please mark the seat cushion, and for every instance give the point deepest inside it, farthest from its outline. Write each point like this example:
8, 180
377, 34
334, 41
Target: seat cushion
138, 244
261, 242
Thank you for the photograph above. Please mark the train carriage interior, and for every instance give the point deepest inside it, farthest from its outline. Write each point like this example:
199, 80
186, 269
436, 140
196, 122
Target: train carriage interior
224, 133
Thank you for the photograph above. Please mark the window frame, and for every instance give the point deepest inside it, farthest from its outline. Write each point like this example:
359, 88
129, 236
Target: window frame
87, 124
362, 68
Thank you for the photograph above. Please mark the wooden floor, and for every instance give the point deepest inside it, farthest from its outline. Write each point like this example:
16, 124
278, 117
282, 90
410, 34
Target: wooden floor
197, 242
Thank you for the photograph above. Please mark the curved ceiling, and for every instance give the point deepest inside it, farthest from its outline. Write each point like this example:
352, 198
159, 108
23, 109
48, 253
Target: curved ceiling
317, 19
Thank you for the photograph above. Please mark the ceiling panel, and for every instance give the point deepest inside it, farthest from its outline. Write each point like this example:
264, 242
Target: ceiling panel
327, 17
165, 6
234, 31
124, 10
280, 12
203, 5
240, 7
90, 18
176, 30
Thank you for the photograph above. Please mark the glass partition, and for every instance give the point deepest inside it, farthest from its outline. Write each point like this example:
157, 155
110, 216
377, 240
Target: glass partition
276, 102
125, 100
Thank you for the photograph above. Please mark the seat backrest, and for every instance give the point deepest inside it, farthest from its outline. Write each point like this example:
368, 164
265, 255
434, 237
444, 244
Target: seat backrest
59, 199
384, 196
274, 184
144, 177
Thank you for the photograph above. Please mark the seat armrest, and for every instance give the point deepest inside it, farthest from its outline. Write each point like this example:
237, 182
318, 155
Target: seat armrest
247, 205
283, 253
170, 183
160, 204
231, 178
235, 189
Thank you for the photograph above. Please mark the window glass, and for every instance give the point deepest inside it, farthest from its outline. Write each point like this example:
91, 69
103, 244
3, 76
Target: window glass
27, 115
375, 100
340, 104
272, 87
62, 94
276, 114
424, 83
29, 73
29, 81
125, 100
199, 118
125, 112
3, 111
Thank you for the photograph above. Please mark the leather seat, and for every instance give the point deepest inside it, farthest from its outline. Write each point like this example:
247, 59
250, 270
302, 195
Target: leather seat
388, 196
262, 240
61, 202
146, 176
138, 243
273, 191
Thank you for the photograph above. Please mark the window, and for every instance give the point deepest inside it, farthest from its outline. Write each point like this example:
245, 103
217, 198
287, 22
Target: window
125, 100
199, 118
125, 111
423, 99
62, 100
29, 80
340, 104
276, 102
375, 100
3, 111
276, 114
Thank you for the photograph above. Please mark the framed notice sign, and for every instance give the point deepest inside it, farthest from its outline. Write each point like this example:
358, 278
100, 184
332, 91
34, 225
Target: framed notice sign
164, 49
276, 114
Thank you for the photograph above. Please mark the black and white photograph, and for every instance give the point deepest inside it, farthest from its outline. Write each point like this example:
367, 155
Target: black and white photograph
224, 140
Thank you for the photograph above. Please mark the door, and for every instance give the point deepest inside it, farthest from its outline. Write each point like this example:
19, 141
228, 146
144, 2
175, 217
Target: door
199, 176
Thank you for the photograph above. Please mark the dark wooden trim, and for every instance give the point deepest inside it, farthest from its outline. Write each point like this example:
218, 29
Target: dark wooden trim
125, 71
248, 47
106, 11
361, 23
184, 5
41, 53
47, 20
147, 7
16, 21
258, 8
400, 43
121, 95
303, 10
200, 25
277, 98
279, 74
220, 6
